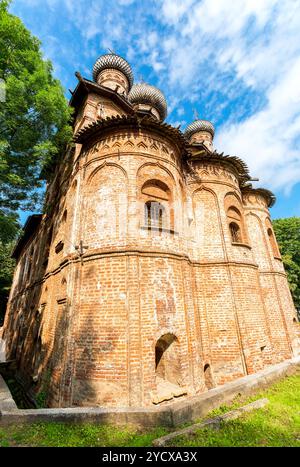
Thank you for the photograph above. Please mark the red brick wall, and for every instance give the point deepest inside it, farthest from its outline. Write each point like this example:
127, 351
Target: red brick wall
226, 306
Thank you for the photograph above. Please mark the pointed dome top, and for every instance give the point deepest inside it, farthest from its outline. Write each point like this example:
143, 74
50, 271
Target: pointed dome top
199, 125
144, 93
113, 60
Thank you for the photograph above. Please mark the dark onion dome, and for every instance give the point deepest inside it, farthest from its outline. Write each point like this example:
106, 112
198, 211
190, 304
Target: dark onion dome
113, 61
199, 125
143, 93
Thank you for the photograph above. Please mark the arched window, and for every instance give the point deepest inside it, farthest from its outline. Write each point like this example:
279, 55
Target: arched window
235, 232
100, 110
158, 210
154, 214
235, 224
273, 242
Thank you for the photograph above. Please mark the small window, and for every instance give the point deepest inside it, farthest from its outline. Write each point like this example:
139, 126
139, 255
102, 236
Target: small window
209, 383
29, 262
235, 233
273, 242
235, 224
154, 214
65, 215
59, 247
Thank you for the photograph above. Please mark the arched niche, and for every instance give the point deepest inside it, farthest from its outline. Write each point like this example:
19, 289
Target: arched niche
257, 240
105, 205
207, 227
208, 377
167, 359
157, 184
235, 218
271, 238
158, 207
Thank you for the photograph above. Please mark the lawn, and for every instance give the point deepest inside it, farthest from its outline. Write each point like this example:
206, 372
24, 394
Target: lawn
277, 424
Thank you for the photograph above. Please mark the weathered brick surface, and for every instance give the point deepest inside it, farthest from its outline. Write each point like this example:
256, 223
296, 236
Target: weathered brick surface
184, 302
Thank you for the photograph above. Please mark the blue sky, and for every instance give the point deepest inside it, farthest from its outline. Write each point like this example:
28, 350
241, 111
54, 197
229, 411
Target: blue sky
234, 63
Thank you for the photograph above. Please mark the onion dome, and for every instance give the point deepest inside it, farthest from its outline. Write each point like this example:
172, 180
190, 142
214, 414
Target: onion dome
149, 95
113, 61
199, 125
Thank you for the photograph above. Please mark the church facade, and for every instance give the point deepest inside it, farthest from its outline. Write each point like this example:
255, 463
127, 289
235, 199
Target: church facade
154, 273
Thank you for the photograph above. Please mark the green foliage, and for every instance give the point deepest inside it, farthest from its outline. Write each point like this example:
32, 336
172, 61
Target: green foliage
6, 273
34, 129
34, 119
276, 424
288, 237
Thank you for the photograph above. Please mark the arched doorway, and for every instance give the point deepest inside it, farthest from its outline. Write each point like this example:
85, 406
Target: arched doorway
208, 378
168, 372
167, 359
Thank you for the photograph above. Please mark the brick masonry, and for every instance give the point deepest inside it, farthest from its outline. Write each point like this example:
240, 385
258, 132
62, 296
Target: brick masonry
105, 307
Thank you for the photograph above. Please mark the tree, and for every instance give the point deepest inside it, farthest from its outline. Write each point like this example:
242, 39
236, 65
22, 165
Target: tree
34, 129
6, 273
34, 119
288, 237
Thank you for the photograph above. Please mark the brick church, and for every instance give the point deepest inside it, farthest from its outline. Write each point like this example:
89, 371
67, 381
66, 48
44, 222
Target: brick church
154, 272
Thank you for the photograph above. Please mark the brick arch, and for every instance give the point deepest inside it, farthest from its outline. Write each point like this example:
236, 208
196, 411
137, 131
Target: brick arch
235, 218
156, 183
271, 237
258, 240
100, 167
203, 187
168, 358
231, 197
158, 167
105, 206
207, 223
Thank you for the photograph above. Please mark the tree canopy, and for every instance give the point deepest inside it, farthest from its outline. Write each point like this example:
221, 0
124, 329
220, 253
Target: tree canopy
288, 237
34, 128
34, 118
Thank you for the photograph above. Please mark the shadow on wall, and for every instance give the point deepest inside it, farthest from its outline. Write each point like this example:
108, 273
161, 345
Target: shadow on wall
28, 330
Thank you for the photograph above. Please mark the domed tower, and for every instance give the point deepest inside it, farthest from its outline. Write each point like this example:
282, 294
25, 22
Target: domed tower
106, 95
113, 72
200, 131
148, 99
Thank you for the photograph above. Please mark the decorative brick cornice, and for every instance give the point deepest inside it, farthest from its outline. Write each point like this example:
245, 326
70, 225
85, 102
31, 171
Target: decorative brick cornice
131, 121
266, 194
200, 153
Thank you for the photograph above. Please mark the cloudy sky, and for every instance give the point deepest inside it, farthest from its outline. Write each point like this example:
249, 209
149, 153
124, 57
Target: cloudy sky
235, 63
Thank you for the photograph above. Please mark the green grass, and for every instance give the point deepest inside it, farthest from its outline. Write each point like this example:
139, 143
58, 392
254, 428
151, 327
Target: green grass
277, 424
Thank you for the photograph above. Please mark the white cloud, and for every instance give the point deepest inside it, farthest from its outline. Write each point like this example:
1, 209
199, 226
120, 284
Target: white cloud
173, 11
266, 140
237, 62
257, 44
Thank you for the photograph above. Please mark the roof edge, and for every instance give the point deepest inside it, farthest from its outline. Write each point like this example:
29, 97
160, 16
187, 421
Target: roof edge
30, 226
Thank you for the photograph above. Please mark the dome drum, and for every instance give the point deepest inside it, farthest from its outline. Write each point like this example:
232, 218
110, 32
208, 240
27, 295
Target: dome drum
147, 97
200, 127
111, 70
